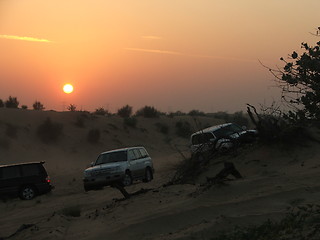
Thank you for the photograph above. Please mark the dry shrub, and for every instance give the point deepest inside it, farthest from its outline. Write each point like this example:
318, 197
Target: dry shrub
49, 131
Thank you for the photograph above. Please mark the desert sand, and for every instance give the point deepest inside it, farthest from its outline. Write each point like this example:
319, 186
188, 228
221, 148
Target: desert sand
275, 178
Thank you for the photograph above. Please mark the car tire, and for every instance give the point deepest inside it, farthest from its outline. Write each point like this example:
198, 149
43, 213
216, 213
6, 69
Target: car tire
27, 192
127, 179
148, 175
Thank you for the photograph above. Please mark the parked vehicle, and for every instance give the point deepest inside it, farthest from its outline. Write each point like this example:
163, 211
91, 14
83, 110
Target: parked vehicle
119, 166
219, 138
25, 180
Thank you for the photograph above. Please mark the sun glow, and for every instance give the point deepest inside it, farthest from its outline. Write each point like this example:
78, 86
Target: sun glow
68, 88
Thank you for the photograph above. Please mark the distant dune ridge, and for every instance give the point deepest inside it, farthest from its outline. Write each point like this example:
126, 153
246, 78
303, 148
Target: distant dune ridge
275, 179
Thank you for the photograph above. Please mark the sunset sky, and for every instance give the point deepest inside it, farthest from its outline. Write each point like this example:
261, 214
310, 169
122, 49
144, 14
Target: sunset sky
170, 54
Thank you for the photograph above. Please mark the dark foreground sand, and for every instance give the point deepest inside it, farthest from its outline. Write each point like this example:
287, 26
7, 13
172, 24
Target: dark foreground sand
275, 179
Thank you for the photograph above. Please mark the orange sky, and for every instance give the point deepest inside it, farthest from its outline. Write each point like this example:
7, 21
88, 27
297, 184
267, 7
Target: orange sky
170, 54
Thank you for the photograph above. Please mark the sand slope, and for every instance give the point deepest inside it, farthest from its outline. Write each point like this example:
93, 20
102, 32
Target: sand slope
275, 178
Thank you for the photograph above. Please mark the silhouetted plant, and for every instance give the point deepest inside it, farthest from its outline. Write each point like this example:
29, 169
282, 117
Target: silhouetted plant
1, 103
177, 113
130, 121
12, 102
11, 130
183, 129
148, 112
93, 136
38, 106
125, 111
101, 111
49, 131
24, 107
196, 113
300, 84
163, 128
72, 108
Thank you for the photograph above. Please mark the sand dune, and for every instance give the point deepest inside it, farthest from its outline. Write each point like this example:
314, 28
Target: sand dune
275, 178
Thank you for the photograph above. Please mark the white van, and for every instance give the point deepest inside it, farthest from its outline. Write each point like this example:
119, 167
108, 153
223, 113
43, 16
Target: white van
119, 166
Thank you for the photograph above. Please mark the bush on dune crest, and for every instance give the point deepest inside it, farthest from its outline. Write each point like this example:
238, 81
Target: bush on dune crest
49, 131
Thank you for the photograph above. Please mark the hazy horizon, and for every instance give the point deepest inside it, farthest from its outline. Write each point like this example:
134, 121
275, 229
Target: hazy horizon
174, 55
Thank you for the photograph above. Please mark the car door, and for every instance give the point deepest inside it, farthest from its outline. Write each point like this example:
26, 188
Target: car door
10, 180
139, 162
133, 163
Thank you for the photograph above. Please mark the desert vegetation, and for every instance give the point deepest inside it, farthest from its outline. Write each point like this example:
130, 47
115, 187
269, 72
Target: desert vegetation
148, 112
49, 131
37, 105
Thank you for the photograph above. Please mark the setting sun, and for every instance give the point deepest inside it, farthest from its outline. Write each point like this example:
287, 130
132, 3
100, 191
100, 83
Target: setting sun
68, 88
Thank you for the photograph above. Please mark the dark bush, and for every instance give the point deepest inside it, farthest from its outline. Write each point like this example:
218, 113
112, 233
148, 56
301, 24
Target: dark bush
1, 103
148, 112
24, 107
38, 106
177, 113
12, 102
196, 113
49, 131
125, 111
163, 128
101, 111
93, 136
183, 129
130, 121
72, 108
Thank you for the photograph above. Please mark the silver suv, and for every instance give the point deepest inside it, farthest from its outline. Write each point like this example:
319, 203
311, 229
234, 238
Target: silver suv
119, 166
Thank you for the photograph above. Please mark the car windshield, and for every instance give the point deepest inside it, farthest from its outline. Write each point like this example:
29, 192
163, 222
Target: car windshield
227, 130
111, 157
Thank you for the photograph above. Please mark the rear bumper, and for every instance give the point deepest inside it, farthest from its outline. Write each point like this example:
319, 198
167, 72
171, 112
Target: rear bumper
44, 188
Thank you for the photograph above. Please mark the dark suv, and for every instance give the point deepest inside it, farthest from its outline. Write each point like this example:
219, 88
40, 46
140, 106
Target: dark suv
25, 180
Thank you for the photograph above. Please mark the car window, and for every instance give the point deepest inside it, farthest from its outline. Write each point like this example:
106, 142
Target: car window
11, 172
30, 170
227, 130
201, 138
143, 152
137, 153
131, 155
119, 156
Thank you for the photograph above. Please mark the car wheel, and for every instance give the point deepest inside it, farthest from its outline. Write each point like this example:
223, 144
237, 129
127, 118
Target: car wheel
27, 193
127, 180
148, 175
